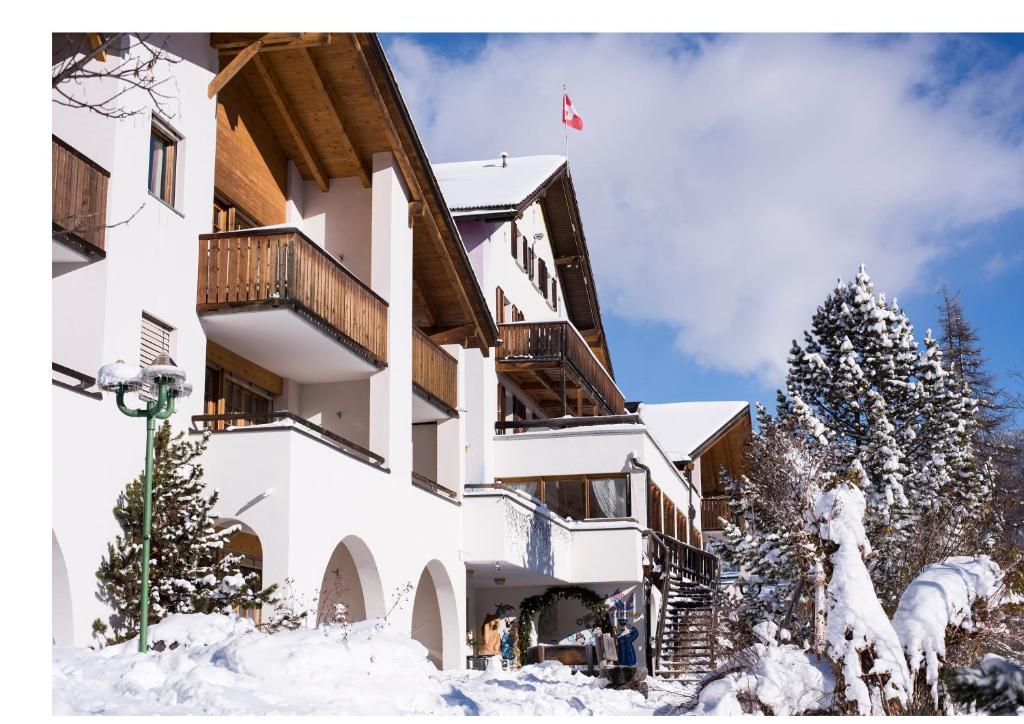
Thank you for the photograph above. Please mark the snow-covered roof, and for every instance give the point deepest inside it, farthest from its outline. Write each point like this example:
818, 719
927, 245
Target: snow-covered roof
483, 185
683, 427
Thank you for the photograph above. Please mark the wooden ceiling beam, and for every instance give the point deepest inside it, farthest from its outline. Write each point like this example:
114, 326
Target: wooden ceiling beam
275, 41
305, 149
96, 41
421, 301
232, 69
450, 335
453, 276
329, 94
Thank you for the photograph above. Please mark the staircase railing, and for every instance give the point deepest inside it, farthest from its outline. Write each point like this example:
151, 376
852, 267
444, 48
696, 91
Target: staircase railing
674, 556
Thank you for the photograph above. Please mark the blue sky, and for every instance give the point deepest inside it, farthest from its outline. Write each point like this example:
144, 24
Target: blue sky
726, 181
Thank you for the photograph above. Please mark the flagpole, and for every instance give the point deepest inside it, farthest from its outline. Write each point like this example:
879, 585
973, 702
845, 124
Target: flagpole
565, 127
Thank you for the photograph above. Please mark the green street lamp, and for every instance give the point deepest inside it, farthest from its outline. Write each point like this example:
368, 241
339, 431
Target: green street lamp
168, 380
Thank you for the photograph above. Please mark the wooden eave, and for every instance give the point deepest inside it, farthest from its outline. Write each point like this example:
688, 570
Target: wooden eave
568, 242
721, 432
331, 101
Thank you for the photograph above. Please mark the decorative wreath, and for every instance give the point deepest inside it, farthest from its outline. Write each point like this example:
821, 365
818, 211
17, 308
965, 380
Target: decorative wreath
532, 605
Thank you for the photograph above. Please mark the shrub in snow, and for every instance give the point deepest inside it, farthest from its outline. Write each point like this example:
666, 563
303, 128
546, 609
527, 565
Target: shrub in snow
873, 674
188, 570
784, 680
995, 686
943, 595
777, 546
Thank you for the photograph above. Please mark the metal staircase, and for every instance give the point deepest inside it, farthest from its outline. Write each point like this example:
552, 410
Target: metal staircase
688, 579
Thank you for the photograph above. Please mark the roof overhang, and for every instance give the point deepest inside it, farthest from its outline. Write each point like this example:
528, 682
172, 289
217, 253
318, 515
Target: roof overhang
332, 102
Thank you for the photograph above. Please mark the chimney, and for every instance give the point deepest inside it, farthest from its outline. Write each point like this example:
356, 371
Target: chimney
504, 159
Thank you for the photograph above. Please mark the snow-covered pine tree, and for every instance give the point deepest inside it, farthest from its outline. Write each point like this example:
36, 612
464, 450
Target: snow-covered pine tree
861, 384
189, 573
994, 687
772, 539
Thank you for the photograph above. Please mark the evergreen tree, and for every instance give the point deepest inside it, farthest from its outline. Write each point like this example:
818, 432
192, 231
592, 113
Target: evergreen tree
994, 687
189, 573
862, 384
961, 345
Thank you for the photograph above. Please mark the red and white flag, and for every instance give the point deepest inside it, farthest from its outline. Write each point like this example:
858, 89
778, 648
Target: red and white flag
569, 115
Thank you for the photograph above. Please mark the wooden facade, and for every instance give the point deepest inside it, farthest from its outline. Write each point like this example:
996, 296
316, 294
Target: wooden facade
556, 368
723, 450
79, 200
271, 267
712, 510
435, 372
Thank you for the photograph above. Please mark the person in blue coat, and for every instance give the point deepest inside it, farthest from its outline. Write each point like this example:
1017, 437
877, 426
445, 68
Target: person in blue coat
627, 635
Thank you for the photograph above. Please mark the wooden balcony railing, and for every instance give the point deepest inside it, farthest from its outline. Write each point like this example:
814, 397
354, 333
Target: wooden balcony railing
434, 371
711, 509
275, 266
559, 341
79, 199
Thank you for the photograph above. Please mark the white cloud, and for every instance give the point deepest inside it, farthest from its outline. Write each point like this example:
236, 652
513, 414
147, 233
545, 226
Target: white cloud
1001, 263
725, 184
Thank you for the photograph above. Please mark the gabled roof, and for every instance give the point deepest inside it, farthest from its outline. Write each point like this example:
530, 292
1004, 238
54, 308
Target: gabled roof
685, 429
488, 190
476, 186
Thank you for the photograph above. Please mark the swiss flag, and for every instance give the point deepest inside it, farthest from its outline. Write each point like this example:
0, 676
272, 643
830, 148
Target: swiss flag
569, 115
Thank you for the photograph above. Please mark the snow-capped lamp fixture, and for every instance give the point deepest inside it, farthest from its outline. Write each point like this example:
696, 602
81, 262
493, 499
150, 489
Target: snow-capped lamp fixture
167, 380
504, 159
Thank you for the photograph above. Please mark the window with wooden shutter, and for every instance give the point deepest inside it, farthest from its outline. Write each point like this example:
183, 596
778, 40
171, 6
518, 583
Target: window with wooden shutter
155, 339
515, 241
542, 277
163, 161
554, 294
499, 308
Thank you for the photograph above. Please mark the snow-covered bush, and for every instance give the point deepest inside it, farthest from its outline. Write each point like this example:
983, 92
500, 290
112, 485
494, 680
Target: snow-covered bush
943, 596
769, 678
861, 640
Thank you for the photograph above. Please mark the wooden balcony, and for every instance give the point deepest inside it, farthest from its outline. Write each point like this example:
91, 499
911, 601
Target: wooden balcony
711, 510
316, 321
435, 373
552, 364
79, 206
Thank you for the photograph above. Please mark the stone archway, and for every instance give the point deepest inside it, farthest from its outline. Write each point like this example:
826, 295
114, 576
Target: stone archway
353, 580
61, 619
435, 616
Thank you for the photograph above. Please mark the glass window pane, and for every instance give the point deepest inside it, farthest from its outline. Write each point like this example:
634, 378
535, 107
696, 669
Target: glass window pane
608, 498
157, 164
565, 497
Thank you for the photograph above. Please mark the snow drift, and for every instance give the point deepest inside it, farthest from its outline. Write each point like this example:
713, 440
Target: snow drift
214, 664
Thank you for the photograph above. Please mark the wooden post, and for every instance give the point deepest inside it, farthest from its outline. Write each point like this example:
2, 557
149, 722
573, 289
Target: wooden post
565, 410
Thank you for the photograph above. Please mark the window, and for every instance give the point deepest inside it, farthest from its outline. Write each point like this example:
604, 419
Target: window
155, 339
579, 497
227, 394
163, 161
515, 242
566, 498
554, 294
542, 277
608, 498
227, 217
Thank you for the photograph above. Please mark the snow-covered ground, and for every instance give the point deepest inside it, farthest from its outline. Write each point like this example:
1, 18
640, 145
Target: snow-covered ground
220, 665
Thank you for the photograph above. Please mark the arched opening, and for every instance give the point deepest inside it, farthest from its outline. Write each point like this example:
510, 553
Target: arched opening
435, 616
247, 545
60, 599
352, 580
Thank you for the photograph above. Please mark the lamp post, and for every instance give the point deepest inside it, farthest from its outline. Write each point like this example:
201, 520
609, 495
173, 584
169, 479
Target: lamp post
169, 383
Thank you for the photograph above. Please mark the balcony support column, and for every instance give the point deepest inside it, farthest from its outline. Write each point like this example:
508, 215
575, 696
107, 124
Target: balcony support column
390, 432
